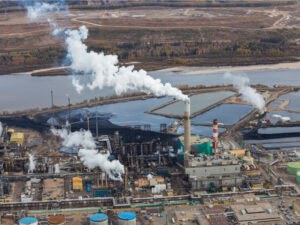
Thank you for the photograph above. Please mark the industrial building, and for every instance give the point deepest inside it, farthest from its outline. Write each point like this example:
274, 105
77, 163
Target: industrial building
213, 171
256, 213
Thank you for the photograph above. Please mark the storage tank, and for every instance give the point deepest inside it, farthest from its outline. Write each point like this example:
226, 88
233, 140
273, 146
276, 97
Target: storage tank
126, 218
270, 156
298, 177
28, 221
98, 219
56, 220
293, 168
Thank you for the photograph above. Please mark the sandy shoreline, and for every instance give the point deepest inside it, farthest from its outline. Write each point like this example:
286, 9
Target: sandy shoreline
195, 70
279, 66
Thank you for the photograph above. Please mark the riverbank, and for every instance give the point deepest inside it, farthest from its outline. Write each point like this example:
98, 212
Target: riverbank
190, 69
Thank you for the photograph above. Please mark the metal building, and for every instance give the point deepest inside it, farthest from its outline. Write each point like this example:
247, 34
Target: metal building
217, 171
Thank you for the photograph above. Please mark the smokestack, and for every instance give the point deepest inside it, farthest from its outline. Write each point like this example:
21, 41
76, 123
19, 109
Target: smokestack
187, 131
215, 136
88, 120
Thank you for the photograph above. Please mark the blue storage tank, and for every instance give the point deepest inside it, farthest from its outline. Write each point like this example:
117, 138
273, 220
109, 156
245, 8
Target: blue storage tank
98, 219
126, 218
88, 187
28, 221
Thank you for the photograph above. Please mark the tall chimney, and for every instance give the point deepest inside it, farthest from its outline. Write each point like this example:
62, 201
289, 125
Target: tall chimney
215, 136
88, 120
187, 131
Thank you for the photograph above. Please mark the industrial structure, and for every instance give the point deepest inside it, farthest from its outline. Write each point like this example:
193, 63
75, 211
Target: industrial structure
42, 180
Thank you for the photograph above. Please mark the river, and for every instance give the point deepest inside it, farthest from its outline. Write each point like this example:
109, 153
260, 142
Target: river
20, 92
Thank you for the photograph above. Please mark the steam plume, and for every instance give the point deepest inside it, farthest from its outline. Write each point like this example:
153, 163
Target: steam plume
89, 155
249, 94
80, 138
31, 164
56, 168
283, 118
103, 68
105, 71
92, 159
35, 11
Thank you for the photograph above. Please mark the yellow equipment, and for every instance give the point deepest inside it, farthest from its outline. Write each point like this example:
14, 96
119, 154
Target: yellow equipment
17, 138
77, 184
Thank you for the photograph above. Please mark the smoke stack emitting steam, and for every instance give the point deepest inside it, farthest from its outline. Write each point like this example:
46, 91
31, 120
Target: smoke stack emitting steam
249, 94
31, 167
105, 72
187, 131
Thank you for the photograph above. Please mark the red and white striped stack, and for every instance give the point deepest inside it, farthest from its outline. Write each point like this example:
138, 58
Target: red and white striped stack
215, 136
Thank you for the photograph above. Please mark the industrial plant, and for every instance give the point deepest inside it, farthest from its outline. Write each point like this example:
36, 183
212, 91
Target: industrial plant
84, 173
98, 141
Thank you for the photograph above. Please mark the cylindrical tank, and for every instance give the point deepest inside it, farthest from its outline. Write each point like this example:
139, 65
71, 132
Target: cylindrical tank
126, 218
56, 220
28, 221
298, 177
270, 156
293, 167
98, 219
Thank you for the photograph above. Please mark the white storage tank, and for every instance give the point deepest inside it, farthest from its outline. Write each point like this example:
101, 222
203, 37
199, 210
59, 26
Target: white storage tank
28, 221
98, 219
126, 218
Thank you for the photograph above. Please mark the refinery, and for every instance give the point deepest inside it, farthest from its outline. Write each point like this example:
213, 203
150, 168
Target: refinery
57, 172
112, 145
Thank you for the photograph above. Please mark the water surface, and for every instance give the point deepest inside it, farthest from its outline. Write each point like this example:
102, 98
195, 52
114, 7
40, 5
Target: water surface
227, 114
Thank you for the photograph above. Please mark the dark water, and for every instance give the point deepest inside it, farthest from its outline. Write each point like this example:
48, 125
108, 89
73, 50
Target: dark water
271, 145
19, 92
227, 114
275, 104
294, 98
292, 115
198, 103
200, 130
272, 140
268, 77
278, 130
130, 113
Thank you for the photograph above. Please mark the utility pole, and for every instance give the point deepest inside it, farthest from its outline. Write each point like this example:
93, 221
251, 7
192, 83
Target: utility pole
69, 101
52, 103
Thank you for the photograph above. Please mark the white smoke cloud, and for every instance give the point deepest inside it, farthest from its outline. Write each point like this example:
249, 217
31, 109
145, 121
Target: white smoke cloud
105, 71
103, 68
77, 85
80, 138
249, 94
31, 164
92, 158
89, 155
284, 118
149, 176
56, 168
39, 8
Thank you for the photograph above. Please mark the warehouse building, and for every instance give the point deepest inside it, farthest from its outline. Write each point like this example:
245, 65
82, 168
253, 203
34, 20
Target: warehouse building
256, 213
